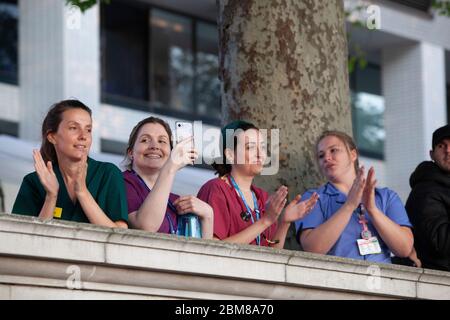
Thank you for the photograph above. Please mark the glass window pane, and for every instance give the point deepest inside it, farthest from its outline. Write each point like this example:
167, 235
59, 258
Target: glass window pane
368, 80
207, 84
9, 16
124, 51
368, 111
172, 61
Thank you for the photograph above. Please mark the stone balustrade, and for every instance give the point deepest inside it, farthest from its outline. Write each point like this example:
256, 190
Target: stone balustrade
65, 260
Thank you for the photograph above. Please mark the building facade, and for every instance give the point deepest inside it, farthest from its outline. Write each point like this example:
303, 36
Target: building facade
131, 59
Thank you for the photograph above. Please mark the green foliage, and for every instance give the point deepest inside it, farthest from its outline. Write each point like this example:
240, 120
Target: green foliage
442, 7
357, 59
84, 4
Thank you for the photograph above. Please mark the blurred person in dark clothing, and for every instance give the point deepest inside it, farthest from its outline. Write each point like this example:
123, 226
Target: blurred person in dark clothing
428, 204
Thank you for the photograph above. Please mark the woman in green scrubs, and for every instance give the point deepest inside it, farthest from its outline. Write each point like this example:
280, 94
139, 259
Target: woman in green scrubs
67, 184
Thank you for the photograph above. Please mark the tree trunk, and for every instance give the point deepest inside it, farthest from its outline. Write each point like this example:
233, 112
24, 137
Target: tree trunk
283, 64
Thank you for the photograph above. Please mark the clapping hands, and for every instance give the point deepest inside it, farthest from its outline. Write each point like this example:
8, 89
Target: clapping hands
363, 190
46, 174
297, 209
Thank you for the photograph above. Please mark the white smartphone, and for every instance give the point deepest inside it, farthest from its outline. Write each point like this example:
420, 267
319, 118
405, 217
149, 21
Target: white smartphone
183, 130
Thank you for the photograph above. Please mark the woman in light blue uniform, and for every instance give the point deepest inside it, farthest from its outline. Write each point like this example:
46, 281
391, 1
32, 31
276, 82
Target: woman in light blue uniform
352, 217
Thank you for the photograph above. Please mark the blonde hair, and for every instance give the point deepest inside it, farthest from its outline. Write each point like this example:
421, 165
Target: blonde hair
345, 138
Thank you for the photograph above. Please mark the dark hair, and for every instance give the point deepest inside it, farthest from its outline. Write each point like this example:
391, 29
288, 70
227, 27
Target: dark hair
345, 138
221, 166
51, 124
439, 135
134, 134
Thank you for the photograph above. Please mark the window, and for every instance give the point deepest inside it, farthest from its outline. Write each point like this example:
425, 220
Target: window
368, 111
124, 51
207, 84
159, 61
9, 16
172, 61
422, 5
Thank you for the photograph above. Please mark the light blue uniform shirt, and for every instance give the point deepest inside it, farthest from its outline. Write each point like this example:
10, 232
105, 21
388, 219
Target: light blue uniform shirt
331, 200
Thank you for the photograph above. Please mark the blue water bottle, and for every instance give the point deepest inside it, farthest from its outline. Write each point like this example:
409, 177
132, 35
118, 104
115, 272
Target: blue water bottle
189, 226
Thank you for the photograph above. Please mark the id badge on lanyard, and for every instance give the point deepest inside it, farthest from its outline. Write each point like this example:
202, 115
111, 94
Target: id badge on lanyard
368, 244
247, 214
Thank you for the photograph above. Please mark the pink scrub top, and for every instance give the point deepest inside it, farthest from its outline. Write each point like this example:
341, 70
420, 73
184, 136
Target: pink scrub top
228, 206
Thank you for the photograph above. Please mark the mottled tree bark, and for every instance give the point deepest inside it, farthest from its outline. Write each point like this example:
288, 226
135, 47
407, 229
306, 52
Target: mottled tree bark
283, 64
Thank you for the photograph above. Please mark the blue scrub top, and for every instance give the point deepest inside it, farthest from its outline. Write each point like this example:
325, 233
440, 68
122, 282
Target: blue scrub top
331, 200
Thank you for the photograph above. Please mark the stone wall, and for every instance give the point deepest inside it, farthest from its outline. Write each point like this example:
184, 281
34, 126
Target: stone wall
65, 260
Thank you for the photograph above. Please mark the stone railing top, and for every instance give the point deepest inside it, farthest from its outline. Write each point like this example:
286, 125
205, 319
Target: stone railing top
33, 238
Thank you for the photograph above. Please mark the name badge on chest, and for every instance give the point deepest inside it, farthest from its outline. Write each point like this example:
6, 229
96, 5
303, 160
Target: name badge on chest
369, 246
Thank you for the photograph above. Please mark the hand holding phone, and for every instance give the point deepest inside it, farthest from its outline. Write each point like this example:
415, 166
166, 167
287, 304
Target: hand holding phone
183, 131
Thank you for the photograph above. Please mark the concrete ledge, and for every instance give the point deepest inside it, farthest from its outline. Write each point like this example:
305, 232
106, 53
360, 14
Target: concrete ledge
65, 260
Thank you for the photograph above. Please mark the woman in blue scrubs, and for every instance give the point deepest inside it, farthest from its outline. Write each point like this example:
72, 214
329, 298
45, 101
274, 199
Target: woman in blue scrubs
353, 218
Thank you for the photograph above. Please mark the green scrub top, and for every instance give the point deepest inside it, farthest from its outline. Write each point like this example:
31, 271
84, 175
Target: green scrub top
103, 180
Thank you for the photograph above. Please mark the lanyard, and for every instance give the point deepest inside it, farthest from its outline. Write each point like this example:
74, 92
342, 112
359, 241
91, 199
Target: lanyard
365, 233
249, 211
169, 204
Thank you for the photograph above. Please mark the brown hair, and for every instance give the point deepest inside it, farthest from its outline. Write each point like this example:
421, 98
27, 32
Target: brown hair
222, 168
345, 138
51, 124
134, 134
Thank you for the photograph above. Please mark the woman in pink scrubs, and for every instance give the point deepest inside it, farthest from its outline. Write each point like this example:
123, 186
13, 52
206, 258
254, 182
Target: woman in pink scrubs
152, 162
244, 213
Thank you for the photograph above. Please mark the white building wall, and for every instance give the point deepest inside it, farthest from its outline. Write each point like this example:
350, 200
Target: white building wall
59, 59
434, 108
81, 58
9, 102
413, 83
413, 24
40, 62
